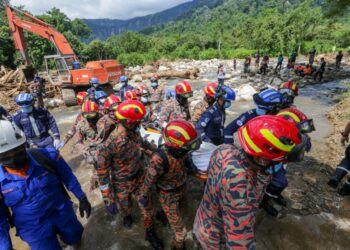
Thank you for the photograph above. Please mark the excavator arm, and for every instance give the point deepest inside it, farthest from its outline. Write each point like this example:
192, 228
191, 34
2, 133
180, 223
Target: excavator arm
38, 27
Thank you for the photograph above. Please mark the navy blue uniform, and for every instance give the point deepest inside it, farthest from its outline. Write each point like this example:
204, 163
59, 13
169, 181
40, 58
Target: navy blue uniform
3, 112
211, 125
39, 205
236, 124
36, 126
92, 90
123, 90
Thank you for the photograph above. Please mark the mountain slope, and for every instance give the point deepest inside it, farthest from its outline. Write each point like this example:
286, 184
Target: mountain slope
103, 28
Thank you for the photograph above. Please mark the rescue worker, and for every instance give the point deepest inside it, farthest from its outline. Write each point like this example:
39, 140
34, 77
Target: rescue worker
257, 59
344, 166
37, 89
267, 102
279, 180
289, 90
211, 124
226, 216
36, 123
95, 86
168, 172
151, 113
221, 74
204, 104
87, 136
171, 94
130, 95
176, 109
3, 112
100, 98
293, 57
156, 92
124, 86
312, 55
338, 59
32, 185
81, 98
279, 62
320, 70
120, 167
264, 64
108, 122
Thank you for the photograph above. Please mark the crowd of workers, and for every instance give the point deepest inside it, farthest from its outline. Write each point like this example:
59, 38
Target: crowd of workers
242, 175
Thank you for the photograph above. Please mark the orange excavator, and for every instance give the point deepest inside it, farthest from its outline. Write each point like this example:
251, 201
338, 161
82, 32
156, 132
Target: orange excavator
67, 71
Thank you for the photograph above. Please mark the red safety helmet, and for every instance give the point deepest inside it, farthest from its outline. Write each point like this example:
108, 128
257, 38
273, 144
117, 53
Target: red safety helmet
184, 88
210, 89
290, 88
112, 102
140, 90
294, 115
130, 95
89, 109
271, 137
81, 97
181, 134
130, 111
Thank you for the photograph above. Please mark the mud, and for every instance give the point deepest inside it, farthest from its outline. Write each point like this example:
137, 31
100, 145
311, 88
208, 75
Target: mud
315, 217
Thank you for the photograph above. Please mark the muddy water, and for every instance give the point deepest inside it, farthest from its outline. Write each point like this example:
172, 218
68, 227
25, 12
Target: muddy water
288, 232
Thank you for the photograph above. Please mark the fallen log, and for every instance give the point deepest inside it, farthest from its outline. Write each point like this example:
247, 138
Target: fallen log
188, 74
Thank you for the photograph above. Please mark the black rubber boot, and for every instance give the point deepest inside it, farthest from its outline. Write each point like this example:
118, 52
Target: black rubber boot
280, 200
265, 204
334, 181
161, 216
127, 221
153, 239
344, 190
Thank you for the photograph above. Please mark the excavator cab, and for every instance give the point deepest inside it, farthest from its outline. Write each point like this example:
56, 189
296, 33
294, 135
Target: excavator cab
58, 69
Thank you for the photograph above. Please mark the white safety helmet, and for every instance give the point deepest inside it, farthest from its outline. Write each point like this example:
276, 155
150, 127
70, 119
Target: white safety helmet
10, 136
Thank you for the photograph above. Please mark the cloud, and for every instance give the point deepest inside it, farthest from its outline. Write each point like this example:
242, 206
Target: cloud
114, 9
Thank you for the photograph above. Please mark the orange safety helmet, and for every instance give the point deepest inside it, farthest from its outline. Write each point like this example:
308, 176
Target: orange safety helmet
294, 115
210, 89
130, 95
270, 137
180, 134
130, 111
112, 102
184, 88
290, 88
81, 97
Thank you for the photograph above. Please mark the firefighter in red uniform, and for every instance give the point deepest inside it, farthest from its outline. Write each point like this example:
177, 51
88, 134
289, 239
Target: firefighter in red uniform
168, 172
226, 216
121, 169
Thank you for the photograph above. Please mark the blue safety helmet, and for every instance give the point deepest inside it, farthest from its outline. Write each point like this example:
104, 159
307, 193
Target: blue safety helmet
100, 94
268, 99
94, 81
226, 92
171, 94
123, 79
24, 100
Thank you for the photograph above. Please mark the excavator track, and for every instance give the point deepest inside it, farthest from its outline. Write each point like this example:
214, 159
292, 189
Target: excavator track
69, 97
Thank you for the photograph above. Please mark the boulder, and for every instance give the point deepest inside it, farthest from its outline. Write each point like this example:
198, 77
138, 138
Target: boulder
137, 78
245, 93
163, 68
147, 69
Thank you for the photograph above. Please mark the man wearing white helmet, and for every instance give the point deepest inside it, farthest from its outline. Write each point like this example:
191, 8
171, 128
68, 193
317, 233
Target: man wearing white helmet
32, 185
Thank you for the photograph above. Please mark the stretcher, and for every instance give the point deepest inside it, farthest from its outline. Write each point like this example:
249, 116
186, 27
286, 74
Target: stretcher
200, 160
152, 136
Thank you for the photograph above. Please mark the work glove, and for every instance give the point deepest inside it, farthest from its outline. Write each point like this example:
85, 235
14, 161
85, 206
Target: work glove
143, 201
112, 209
58, 144
84, 207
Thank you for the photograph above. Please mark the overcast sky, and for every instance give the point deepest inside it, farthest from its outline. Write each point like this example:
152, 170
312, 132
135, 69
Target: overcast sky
115, 9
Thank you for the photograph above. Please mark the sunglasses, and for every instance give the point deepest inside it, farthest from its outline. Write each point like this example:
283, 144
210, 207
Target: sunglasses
194, 144
89, 115
306, 126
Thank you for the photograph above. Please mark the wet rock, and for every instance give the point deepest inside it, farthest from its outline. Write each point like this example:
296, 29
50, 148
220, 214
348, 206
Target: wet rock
245, 93
147, 69
163, 68
137, 78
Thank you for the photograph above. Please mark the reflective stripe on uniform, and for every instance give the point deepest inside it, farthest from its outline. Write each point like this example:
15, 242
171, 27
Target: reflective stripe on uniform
34, 125
342, 168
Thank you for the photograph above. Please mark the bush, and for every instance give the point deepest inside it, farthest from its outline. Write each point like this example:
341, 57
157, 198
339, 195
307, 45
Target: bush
209, 54
237, 53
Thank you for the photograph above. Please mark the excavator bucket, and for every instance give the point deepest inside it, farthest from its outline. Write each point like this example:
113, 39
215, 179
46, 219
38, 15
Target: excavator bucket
28, 72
